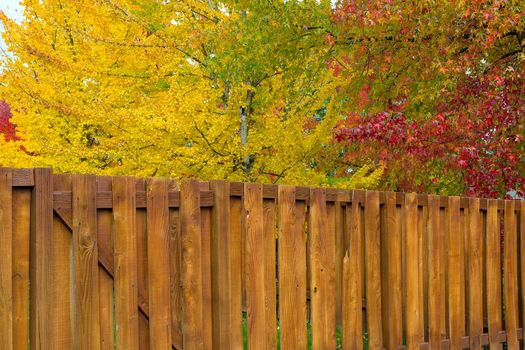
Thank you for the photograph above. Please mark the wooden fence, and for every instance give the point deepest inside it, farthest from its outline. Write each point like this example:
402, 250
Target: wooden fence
92, 262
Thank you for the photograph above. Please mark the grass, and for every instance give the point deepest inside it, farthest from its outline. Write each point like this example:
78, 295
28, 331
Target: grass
338, 335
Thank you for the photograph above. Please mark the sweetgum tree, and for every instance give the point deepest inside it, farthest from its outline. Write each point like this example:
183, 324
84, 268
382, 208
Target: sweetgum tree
435, 93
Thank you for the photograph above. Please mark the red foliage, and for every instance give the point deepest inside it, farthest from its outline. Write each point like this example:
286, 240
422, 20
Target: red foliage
6, 127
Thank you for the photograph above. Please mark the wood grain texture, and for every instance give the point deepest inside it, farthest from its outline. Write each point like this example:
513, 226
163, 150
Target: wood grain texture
373, 270
475, 274
456, 274
221, 265
176, 278
322, 256
510, 260
158, 264
207, 317
414, 279
85, 255
6, 259
393, 319
125, 262
292, 270
21, 237
270, 267
190, 217
494, 274
522, 259
236, 271
255, 267
352, 282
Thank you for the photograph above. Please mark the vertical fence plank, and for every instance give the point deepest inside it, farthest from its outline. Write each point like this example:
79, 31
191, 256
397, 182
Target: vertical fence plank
21, 232
255, 267
221, 266
493, 274
414, 327
373, 270
270, 272
435, 297
456, 276
522, 263
352, 280
107, 315
85, 253
175, 278
190, 215
236, 271
322, 255
42, 331
158, 264
511, 276
292, 271
207, 317
126, 293
475, 274
393, 316
6, 259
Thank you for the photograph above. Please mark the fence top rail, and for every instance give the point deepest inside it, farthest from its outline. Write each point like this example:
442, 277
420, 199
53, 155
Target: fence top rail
25, 178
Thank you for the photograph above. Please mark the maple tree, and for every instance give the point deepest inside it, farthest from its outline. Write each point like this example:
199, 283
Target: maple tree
232, 89
435, 93
7, 129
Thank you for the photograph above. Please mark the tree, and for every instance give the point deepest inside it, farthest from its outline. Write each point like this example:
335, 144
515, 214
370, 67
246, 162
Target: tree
7, 129
233, 89
439, 93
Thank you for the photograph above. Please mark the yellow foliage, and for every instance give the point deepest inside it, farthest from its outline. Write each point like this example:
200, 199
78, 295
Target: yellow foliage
155, 88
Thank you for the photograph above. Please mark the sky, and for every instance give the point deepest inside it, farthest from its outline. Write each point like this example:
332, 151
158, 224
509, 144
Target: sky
14, 10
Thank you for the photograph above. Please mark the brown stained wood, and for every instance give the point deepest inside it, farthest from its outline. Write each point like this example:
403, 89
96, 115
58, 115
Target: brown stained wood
340, 249
414, 327
255, 267
85, 255
393, 315
236, 267
23, 177
191, 277
475, 274
222, 277
522, 260
292, 270
6, 258
322, 254
510, 269
436, 277
158, 246
175, 278
21, 234
125, 262
352, 282
270, 278
373, 270
206, 278
493, 274
107, 315
456, 276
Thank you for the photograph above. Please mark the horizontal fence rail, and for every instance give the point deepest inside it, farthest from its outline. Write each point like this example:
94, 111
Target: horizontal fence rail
96, 262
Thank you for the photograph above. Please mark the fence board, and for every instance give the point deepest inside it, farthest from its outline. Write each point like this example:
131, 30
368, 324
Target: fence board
322, 251
270, 282
6, 259
126, 293
236, 271
21, 237
522, 261
493, 274
85, 254
352, 282
455, 274
292, 270
255, 267
475, 274
176, 278
373, 270
190, 217
159, 266
510, 260
414, 327
206, 278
